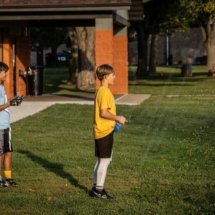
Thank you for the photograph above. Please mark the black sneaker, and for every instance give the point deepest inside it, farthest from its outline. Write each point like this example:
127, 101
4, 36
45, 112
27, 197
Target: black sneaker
107, 194
11, 182
4, 184
101, 194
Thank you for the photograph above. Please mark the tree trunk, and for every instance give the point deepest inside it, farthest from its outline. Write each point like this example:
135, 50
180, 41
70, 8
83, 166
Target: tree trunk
40, 56
54, 56
72, 42
152, 57
142, 46
211, 47
86, 50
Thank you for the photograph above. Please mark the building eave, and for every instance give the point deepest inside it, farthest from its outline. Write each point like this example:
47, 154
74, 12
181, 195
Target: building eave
60, 9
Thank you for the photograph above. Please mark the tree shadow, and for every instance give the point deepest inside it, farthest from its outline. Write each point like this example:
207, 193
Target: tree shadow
168, 79
88, 97
72, 90
55, 168
159, 85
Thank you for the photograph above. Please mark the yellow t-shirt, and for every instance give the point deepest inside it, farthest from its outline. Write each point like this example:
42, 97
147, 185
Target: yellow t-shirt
104, 99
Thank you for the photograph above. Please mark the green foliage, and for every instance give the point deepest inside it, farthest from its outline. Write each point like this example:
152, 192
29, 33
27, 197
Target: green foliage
158, 16
209, 7
178, 13
202, 11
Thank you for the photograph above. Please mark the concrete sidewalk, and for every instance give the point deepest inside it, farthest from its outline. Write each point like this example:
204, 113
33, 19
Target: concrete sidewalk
35, 104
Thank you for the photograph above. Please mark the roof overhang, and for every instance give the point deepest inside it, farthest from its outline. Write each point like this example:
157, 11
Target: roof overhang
60, 8
35, 14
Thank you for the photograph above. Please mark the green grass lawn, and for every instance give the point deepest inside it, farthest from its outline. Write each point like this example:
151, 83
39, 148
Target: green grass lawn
55, 82
163, 160
167, 80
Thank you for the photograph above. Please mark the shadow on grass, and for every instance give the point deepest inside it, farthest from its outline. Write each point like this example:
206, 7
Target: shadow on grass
86, 96
55, 168
71, 90
168, 79
159, 85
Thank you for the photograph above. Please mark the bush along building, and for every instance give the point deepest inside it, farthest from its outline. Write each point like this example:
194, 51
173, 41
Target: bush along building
109, 19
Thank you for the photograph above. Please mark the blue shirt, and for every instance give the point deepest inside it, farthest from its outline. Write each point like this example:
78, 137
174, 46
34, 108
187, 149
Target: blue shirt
4, 114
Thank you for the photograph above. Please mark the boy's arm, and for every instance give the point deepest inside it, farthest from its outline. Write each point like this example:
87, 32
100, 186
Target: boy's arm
105, 113
4, 106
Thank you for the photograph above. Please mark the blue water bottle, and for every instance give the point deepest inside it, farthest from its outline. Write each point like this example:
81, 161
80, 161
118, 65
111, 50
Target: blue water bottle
117, 127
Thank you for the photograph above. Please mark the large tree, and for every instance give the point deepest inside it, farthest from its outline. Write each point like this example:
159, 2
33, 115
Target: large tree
177, 14
142, 36
202, 14
72, 44
81, 41
156, 17
208, 26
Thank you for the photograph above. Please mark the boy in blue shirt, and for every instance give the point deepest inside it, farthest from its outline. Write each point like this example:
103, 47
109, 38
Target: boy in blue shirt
5, 132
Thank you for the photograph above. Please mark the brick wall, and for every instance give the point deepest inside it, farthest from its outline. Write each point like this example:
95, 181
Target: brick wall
103, 49
8, 59
120, 63
112, 49
22, 60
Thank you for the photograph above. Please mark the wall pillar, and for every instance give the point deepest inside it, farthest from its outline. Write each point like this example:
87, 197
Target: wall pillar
111, 48
22, 62
104, 43
16, 54
120, 61
8, 59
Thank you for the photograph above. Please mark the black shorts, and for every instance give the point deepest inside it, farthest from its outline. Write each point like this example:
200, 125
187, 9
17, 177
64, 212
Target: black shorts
103, 146
5, 141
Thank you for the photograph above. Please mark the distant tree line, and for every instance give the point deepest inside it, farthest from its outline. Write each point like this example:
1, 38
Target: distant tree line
166, 16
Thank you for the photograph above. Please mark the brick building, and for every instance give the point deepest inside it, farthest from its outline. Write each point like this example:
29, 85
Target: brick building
110, 18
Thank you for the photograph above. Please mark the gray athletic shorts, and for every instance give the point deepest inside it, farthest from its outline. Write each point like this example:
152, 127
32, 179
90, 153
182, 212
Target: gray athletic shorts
5, 141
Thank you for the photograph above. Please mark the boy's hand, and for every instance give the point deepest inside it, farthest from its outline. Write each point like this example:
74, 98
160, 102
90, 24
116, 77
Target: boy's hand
122, 120
17, 100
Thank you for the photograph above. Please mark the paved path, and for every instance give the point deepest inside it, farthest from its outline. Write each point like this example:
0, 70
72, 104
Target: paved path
35, 104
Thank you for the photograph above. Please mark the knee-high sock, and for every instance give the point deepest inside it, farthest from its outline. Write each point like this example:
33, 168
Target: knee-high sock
102, 172
8, 174
95, 172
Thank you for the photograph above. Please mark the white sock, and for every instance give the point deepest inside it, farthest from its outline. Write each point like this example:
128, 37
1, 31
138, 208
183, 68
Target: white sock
95, 172
102, 172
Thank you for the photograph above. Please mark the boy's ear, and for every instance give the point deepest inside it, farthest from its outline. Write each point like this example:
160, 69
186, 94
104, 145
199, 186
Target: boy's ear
106, 75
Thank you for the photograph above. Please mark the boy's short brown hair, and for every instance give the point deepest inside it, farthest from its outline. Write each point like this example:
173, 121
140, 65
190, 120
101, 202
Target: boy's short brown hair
103, 70
3, 67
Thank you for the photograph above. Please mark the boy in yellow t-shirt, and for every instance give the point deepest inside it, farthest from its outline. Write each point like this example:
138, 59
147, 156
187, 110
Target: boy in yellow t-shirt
104, 121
